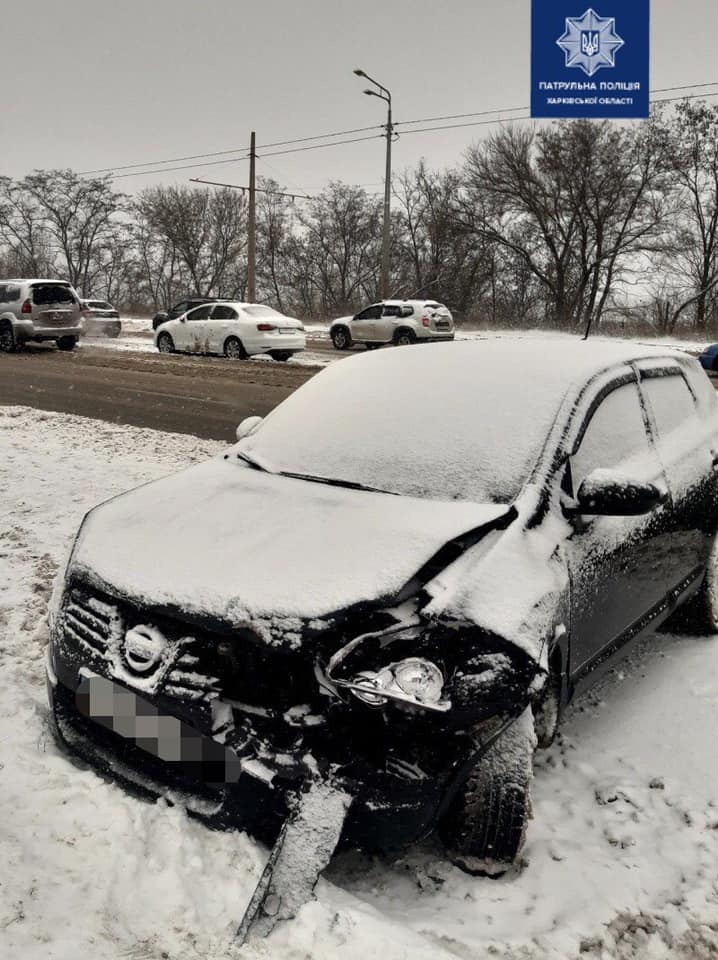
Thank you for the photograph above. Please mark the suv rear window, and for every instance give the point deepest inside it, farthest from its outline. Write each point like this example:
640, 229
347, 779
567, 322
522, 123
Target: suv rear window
52, 293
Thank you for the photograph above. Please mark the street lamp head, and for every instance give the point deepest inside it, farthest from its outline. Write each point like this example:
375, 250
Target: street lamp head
359, 73
370, 93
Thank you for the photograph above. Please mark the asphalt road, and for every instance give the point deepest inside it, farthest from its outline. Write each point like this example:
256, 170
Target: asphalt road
206, 397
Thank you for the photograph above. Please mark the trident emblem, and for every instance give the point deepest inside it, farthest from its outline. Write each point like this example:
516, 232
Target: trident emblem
589, 42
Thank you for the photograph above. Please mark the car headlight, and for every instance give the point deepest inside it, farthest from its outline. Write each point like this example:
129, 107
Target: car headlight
413, 681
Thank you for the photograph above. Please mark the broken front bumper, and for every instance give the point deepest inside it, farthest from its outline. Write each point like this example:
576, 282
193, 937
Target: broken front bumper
146, 746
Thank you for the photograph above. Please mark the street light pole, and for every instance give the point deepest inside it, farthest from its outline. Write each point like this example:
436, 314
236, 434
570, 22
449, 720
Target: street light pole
385, 95
251, 234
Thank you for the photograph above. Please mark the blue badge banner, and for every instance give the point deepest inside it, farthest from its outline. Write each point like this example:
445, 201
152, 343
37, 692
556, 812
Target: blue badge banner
590, 61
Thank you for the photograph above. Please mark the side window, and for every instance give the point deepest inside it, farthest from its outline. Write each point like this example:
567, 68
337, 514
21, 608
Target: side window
12, 295
224, 313
200, 313
3, 294
616, 438
371, 313
670, 401
180, 307
391, 310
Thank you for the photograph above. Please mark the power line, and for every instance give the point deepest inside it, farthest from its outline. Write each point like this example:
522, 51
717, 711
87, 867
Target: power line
214, 163
403, 123
237, 186
220, 153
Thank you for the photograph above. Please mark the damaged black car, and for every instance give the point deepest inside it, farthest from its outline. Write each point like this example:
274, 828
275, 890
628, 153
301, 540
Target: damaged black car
359, 622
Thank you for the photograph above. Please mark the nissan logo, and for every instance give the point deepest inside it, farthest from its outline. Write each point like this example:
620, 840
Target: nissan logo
144, 648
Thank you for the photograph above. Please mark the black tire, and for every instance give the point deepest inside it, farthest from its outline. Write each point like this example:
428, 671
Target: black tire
341, 338
281, 355
404, 337
67, 343
165, 343
233, 349
699, 614
7, 338
485, 826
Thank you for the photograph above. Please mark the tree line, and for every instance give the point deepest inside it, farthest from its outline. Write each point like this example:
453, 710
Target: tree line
565, 226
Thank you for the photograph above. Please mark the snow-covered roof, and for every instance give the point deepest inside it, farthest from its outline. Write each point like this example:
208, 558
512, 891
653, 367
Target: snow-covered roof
463, 420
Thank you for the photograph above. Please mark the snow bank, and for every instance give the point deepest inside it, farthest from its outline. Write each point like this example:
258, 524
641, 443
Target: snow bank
621, 856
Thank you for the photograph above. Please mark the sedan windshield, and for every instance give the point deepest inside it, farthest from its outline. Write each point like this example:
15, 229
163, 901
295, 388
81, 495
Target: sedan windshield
453, 422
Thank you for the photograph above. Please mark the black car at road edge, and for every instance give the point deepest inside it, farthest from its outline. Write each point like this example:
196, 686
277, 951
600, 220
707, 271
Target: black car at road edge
394, 616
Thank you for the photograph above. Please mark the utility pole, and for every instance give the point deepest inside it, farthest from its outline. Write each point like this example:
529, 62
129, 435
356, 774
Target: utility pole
385, 95
251, 239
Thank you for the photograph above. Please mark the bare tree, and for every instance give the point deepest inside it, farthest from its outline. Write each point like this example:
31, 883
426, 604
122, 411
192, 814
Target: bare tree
574, 202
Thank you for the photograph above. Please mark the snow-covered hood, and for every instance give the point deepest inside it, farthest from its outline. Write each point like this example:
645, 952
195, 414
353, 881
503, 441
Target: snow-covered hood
225, 541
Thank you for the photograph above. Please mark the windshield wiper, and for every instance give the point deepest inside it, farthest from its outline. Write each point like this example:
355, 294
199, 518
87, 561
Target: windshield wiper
332, 482
252, 463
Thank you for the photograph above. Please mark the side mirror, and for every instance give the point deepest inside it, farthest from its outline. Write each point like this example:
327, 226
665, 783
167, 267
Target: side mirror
608, 493
247, 426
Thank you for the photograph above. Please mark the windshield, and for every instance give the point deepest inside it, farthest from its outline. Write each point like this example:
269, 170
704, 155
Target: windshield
99, 305
258, 310
439, 423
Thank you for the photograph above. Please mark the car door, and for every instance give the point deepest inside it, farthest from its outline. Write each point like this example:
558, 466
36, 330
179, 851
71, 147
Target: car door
387, 323
686, 445
364, 324
222, 324
612, 559
195, 330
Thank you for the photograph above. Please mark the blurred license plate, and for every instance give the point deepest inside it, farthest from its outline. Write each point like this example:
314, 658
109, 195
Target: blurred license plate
287, 330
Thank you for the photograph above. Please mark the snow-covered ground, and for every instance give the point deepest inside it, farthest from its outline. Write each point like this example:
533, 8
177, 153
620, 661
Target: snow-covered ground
621, 856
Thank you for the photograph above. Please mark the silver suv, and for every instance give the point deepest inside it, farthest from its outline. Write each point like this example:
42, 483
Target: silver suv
39, 310
394, 321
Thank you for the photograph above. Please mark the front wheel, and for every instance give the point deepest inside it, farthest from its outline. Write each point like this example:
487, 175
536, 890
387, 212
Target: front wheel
165, 343
485, 827
233, 349
341, 338
699, 614
67, 343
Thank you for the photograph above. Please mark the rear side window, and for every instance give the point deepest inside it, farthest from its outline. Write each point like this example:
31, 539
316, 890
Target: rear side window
390, 310
670, 401
52, 293
616, 438
9, 293
224, 313
200, 313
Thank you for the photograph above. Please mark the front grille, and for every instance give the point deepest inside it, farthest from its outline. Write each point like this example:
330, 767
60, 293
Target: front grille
93, 623
200, 664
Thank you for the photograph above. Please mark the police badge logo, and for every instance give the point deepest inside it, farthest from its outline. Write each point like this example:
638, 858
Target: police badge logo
590, 42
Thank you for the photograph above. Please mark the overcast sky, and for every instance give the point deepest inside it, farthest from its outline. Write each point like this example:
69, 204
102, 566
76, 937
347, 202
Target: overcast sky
99, 83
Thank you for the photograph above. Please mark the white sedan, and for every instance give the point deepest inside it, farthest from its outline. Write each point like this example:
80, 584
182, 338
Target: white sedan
237, 330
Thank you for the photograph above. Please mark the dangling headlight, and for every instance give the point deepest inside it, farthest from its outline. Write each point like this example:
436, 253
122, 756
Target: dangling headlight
414, 681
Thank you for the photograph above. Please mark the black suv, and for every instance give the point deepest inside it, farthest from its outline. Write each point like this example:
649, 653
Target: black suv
182, 307
367, 628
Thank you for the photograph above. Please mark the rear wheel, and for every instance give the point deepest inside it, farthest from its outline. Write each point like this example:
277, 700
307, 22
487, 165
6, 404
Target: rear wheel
67, 343
233, 349
403, 338
485, 826
165, 343
341, 338
7, 338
